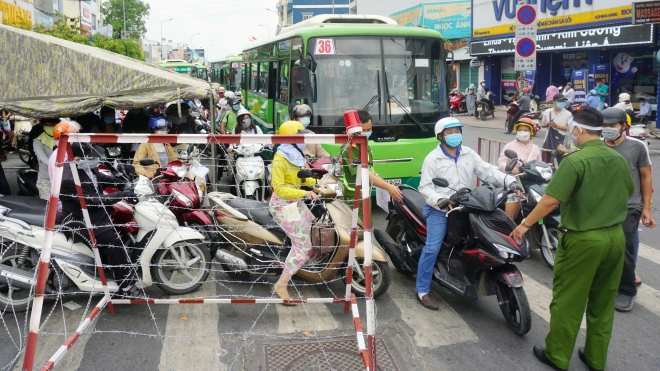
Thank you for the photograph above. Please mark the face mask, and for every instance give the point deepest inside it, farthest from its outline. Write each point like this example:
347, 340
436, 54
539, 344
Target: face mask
305, 121
561, 105
48, 130
611, 134
165, 131
454, 140
109, 120
88, 164
523, 136
246, 123
367, 134
135, 111
236, 107
483, 84
301, 146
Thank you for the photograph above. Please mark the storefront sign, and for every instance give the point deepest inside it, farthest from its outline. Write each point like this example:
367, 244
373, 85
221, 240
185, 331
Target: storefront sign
475, 63
451, 18
646, 12
579, 39
497, 18
17, 11
86, 17
579, 85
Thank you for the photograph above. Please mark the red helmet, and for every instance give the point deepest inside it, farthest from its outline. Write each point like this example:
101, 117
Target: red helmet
527, 90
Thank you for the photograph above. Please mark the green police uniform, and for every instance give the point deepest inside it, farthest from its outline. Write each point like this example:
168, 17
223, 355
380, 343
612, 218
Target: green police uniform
593, 186
349, 172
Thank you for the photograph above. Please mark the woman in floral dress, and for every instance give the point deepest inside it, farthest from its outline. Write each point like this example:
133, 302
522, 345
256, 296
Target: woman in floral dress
288, 208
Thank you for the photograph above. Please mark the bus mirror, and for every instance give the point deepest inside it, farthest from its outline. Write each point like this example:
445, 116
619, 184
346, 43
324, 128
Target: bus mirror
301, 82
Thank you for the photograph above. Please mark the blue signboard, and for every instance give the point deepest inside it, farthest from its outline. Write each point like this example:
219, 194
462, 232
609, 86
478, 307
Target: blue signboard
452, 19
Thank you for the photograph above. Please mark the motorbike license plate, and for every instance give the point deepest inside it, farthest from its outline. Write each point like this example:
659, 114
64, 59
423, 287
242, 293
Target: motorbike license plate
396, 182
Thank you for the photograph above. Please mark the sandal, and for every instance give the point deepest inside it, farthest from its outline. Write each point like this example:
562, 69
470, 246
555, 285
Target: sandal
272, 291
638, 280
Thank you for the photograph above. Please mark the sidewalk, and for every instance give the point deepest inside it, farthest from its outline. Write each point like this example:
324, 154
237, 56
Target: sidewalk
490, 123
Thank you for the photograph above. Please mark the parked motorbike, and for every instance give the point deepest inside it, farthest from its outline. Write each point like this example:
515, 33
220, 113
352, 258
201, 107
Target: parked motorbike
22, 146
534, 176
248, 171
457, 102
477, 255
172, 257
255, 245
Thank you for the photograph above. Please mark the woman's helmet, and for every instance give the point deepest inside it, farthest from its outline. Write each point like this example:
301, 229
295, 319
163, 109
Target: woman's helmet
242, 111
291, 128
158, 122
525, 121
65, 128
301, 110
446, 123
527, 90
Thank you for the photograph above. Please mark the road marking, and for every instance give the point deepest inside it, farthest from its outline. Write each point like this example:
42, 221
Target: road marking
649, 253
192, 343
433, 328
539, 297
305, 317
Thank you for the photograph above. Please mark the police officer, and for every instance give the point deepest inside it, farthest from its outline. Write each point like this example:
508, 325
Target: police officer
592, 185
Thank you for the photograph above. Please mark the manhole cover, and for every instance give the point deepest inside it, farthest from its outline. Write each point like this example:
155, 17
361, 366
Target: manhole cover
323, 355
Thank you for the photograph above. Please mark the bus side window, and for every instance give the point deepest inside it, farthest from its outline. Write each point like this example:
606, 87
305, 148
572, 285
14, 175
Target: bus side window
283, 81
263, 77
254, 76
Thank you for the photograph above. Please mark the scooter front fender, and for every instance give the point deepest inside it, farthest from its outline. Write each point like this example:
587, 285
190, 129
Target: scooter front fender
182, 234
196, 216
509, 275
378, 254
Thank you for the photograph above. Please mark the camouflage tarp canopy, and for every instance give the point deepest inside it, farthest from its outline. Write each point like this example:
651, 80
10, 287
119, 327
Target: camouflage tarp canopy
43, 76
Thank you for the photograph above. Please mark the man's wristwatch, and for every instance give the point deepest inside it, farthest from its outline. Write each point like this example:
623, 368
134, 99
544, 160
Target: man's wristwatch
522, 222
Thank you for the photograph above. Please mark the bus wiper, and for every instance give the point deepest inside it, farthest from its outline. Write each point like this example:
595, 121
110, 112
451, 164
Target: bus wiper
375, 98
392, 97
387, 94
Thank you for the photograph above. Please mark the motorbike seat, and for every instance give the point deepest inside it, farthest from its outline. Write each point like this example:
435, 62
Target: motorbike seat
24, 202
257, 211
415, 202
30, 216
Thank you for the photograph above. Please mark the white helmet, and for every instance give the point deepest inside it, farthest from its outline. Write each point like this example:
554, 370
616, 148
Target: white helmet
624, 97
242, 111
446, 123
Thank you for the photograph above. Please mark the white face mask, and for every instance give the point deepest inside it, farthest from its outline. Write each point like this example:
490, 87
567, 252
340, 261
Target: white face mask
523, 136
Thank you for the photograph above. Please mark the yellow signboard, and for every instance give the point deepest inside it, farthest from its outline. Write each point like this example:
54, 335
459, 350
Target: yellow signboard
17, 11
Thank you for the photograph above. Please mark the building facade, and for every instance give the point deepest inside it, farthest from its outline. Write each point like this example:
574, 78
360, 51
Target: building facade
294, 11
577, 41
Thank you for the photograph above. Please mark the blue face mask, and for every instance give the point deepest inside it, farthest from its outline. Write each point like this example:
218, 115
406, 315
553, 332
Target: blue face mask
305, 121
236, 107
164, 131
367, 134
561, 105
301, 146
109, 120
454, 140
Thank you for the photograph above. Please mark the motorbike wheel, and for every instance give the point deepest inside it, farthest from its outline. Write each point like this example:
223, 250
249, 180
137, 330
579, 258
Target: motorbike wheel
382, 277
483, 115
166, 270
394, 228
515, 307
14, 299
548, 252
24, 154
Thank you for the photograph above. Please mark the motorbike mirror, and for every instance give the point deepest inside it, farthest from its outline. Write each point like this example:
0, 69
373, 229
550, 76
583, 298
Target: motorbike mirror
511, 165
441, 182
147, 161
191, 149
318, 173
305, 173
511, 154
553, 153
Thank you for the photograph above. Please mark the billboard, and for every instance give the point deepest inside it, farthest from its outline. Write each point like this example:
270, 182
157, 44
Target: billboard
15, 11
497, 18
646, 12
188, 55
451, 19
86, 17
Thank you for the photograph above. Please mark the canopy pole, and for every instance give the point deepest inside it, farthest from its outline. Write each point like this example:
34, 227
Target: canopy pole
214, 160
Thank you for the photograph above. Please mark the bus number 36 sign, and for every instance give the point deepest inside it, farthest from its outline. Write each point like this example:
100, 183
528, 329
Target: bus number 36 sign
324, 47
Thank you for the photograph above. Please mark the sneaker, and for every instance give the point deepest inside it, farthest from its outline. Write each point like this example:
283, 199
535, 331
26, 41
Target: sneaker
131, 292
624, 303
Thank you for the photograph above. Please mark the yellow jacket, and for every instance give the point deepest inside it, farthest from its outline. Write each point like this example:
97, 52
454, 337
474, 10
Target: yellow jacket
285, 181
148, 150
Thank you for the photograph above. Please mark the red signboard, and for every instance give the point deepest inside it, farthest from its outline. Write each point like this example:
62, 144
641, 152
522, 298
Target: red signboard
646, 12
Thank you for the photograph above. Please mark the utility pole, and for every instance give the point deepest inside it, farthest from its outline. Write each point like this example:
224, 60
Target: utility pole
333, 6
123, 4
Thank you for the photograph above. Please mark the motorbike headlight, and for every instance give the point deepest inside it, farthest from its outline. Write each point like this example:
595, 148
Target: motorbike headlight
182, 198
114, 151
536, 195
505, 252
546, 172
179, 170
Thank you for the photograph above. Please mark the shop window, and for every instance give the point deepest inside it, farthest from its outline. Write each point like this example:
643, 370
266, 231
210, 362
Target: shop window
306, 16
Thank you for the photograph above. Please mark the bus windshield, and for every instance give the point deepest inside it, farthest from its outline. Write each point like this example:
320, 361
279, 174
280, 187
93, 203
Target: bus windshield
396, 79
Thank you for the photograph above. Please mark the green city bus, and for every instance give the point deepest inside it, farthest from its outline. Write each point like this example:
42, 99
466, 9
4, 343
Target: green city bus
336, 63
186, 68
228, 72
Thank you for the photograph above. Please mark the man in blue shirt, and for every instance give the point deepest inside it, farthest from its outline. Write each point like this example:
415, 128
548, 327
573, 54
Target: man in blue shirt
592, 99
603, 92
644, 111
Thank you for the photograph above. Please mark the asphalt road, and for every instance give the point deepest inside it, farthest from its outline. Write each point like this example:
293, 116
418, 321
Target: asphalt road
462, 335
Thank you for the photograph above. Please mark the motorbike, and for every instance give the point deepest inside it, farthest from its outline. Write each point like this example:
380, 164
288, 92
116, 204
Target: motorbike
27, 182
172, 257
22, 146
483, 109
457, 102
534, 113
534, 176
248, 171
253, 244
477, 255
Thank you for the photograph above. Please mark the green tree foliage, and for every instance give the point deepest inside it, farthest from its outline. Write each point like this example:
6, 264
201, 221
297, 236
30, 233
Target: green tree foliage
136, 13
75, 33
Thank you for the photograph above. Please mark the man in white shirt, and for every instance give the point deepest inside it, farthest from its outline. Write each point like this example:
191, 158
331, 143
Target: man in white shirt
569, 93
644, 111
556, 120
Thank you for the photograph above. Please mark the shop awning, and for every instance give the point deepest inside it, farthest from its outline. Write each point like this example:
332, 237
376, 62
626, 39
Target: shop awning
462, 54
43, 76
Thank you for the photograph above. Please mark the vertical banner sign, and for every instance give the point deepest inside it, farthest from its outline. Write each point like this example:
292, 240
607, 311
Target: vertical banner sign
526, 39
580, 85
600, 71
530, 76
